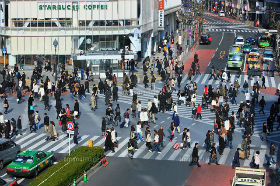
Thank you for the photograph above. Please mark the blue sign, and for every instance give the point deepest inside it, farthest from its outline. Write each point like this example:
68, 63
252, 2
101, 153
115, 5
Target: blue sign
4, 49
168, 45
190, 35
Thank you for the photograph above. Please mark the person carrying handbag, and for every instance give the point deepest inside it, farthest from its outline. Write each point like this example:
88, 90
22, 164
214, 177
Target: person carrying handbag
213, 155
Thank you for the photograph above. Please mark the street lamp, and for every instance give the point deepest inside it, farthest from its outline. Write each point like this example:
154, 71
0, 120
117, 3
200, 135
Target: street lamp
55, 44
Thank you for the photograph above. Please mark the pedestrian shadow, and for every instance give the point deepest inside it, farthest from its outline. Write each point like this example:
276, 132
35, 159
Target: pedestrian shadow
21, 101
10, 110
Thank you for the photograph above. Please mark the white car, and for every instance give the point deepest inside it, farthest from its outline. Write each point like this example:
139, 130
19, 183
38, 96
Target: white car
239, 40
255, 51
268, 55
222, 14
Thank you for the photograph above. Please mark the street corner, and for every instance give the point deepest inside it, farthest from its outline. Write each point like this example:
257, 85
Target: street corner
204, 55
211, 175
267, 90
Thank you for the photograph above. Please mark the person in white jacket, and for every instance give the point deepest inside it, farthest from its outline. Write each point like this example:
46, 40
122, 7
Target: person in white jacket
35, 90
224, 76
114, 135
1, 118
139, 108
41, 92
156, 101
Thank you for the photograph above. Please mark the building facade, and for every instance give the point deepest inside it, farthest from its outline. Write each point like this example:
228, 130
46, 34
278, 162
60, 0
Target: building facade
89, 32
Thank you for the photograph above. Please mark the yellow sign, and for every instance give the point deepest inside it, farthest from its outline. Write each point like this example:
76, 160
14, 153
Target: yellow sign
226, 3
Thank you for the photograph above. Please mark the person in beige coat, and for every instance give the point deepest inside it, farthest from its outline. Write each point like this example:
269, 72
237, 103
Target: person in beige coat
93, 102
50, 132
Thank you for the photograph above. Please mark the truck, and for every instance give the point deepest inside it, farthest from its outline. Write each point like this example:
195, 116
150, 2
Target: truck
249, 177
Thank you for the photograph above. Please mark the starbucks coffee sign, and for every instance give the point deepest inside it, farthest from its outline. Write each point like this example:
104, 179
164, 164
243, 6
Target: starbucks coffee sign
73, 7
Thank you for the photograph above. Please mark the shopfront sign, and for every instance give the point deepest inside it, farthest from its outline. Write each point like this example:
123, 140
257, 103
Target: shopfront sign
73, 7
161, 14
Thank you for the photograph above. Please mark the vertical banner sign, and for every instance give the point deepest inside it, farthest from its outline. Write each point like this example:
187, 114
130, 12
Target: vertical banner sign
161, 14
2, 14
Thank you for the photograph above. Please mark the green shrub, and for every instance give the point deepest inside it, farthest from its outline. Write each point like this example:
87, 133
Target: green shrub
73, 166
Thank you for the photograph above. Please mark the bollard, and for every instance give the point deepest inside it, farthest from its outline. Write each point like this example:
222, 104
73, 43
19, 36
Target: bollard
85, 176
74, 183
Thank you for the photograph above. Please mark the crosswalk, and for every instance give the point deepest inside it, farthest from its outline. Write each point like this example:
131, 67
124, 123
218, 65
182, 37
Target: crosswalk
167, 152
223, 23
231, 30
204, 79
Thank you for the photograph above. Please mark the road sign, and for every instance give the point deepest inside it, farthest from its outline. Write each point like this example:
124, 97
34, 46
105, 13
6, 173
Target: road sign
70, 125
70, 131
172, 46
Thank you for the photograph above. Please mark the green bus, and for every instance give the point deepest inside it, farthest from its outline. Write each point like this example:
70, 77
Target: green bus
235, 57
264, 41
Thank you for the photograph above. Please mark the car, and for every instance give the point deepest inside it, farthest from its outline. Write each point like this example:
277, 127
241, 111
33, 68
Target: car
8, 151
268, 55
205, 39
255, 51
247, 48
239, 40
8, 182
29, 163
253, 61
251, 40
222, 14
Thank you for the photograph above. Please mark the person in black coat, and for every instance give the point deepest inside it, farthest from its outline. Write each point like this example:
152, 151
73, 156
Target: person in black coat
46, 102
103, 126
58, 107
195, 157
235, 162
6, 106
221, 144
19, 125
207, 141
7, 129
108, 142
229, 138
76, 133
213, 155
76, 107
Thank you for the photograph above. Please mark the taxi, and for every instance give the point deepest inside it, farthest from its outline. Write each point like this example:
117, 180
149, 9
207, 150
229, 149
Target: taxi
253, 61
30, 163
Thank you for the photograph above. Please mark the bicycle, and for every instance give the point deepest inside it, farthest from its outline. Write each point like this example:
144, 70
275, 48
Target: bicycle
112, 120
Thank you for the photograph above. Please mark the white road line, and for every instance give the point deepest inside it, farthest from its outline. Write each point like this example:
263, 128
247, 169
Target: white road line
232, 78
24, 138
187, 154
50, 143
272, 79
31, 141
175, 154
224, 157
205, 78
266, 81
21, 180
3, 175
221, 39
66, 149
100, 142
210, 81
140, 150
244, 64
43, 141
60, 145
165, 150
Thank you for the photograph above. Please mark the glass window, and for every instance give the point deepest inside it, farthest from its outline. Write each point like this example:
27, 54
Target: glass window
23, 159
234, 58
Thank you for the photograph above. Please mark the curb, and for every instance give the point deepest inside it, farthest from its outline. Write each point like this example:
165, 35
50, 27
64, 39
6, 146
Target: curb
90, 173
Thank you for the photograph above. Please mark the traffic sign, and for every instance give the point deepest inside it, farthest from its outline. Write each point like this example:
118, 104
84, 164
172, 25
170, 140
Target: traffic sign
70, 125
70, 132
172, 46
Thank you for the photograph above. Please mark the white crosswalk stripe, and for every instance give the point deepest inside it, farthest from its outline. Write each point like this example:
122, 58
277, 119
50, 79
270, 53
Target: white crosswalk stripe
209, 29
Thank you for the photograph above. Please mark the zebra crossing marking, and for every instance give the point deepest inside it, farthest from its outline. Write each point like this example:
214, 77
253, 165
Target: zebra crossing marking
32, 140
24, 138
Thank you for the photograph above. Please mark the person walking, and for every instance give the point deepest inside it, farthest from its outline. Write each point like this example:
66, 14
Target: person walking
19, 125
133, 136
172, 129
156, 142
244, 146
213, 155
76, 133
46, 122
148, 139
256, 160
263, 82
126, 117
139, 131
229, 137
46, 102
262, 103
103, 126
198, 112
6, 105
221, 144
76, 108
207, 141
195, 157
264, 132
50, 133
272, 155
177, 122
93, 101
161, 136
37, 120
108, 142
236, 162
